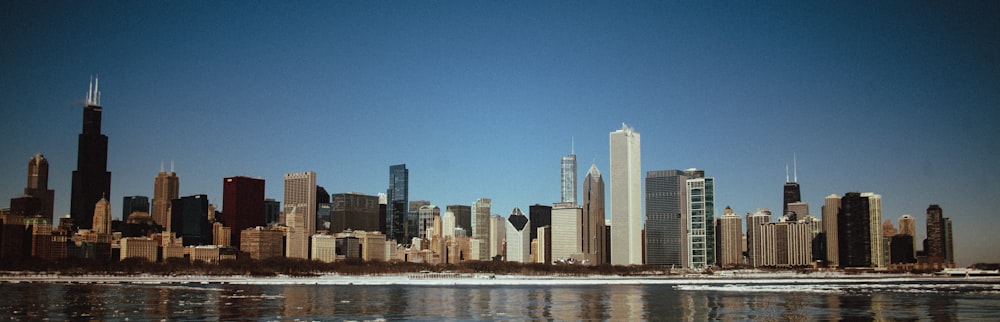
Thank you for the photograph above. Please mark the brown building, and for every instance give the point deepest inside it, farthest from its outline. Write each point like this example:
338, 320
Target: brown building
354, 211
139, 247
165, 188
242, 205
262, 243
38, 184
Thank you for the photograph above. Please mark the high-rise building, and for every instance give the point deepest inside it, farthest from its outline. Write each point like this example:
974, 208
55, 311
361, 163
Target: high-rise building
102, 217
38, 184
324, 211
831, 207
498, 232
593, 214
132, 204
541, 216
412, 227
854, 230
666, 216
189, 219
354, 211
518, 237
481, 211
700, 218
791, 192
797, 210
166, 188
730, 234
425, 216
949, 243
397, 202
262, 243
242, 205
759, 247
879, 244
91, 180
568, 180
448, 223
272, 211
936, 236
626, 197
300, 200
463, 217
907, 226
566, 232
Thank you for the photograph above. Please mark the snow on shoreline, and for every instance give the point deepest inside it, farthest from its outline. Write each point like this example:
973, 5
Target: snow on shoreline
435, 279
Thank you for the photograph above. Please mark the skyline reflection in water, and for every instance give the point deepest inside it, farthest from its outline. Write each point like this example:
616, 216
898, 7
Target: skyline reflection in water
587, 302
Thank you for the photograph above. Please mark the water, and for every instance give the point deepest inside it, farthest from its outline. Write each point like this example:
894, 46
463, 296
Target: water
967, 301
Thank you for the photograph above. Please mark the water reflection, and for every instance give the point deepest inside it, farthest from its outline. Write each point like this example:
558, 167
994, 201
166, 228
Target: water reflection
392, 302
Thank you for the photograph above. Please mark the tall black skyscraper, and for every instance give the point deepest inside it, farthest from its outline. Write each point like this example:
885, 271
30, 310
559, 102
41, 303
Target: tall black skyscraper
792, 193
854, 229
397, 203
540, 216
132, 204
91, 180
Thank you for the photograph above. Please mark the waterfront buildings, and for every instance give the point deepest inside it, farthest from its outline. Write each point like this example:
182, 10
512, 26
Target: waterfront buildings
939, 240
730, 239
700, 219
481, 211
91, 179
568, 178
594, 238
567, 235
518, 237
668, 217
396, 203
166, 188
300, 212
413, 223
102, 217
831, 207
498, 234
462, 215
541, 216
242, 205
758, 245
38, 185
189, 220
626, 197
354, 211
854, 230
262, 243
878, 243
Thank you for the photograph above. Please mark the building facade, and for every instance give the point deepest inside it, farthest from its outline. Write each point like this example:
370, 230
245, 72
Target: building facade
242, 205
854, 229
38, 185
567, 234
518, 237
300, 201
700, 219
481, 211
91, 179
354, 211
730, 240
397, 203
166, 188
568, 178
667, 216
626, 197
594, 242
831, 207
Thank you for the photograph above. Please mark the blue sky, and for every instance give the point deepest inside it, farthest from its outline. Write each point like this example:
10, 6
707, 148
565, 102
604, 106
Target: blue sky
481, 99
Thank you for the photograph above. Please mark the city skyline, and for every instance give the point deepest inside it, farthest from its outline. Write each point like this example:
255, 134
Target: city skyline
439, 88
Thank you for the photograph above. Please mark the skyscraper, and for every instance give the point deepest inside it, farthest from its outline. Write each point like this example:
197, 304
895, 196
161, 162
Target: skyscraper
189, 219
936, 250
324, 211
949, 244
38, 184
498, 233
700, 218
907, 225
758, 247
463, 217
666, 216
132, 204
354, 211
567, 235
541, 216
626, 197
730, 239
242, 205
165, 189
878, 242
518, 237
593, 213
91, 180
568, 182
412, 227
102, 217
426, 215
481, 211
397, 202
792, 193
272, 211
300, 212
854, 229
831, 207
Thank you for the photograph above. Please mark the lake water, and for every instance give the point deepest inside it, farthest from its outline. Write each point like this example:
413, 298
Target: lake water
957, 300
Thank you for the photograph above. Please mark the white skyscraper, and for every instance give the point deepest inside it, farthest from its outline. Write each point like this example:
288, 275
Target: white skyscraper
300, 199
626, 197
567, 223
875, 222
518, 237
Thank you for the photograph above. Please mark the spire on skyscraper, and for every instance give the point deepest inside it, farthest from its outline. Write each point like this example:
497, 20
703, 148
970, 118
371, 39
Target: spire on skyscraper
93, 93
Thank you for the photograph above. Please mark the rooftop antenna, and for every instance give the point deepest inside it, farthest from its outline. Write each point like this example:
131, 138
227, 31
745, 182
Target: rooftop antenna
572, 145
161, 165
795, 168
786, 171
171, 165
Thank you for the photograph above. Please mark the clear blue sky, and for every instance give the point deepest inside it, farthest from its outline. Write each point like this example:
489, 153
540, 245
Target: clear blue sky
482, 98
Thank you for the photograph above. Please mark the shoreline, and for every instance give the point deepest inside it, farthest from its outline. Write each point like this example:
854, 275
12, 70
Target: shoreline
436, 279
